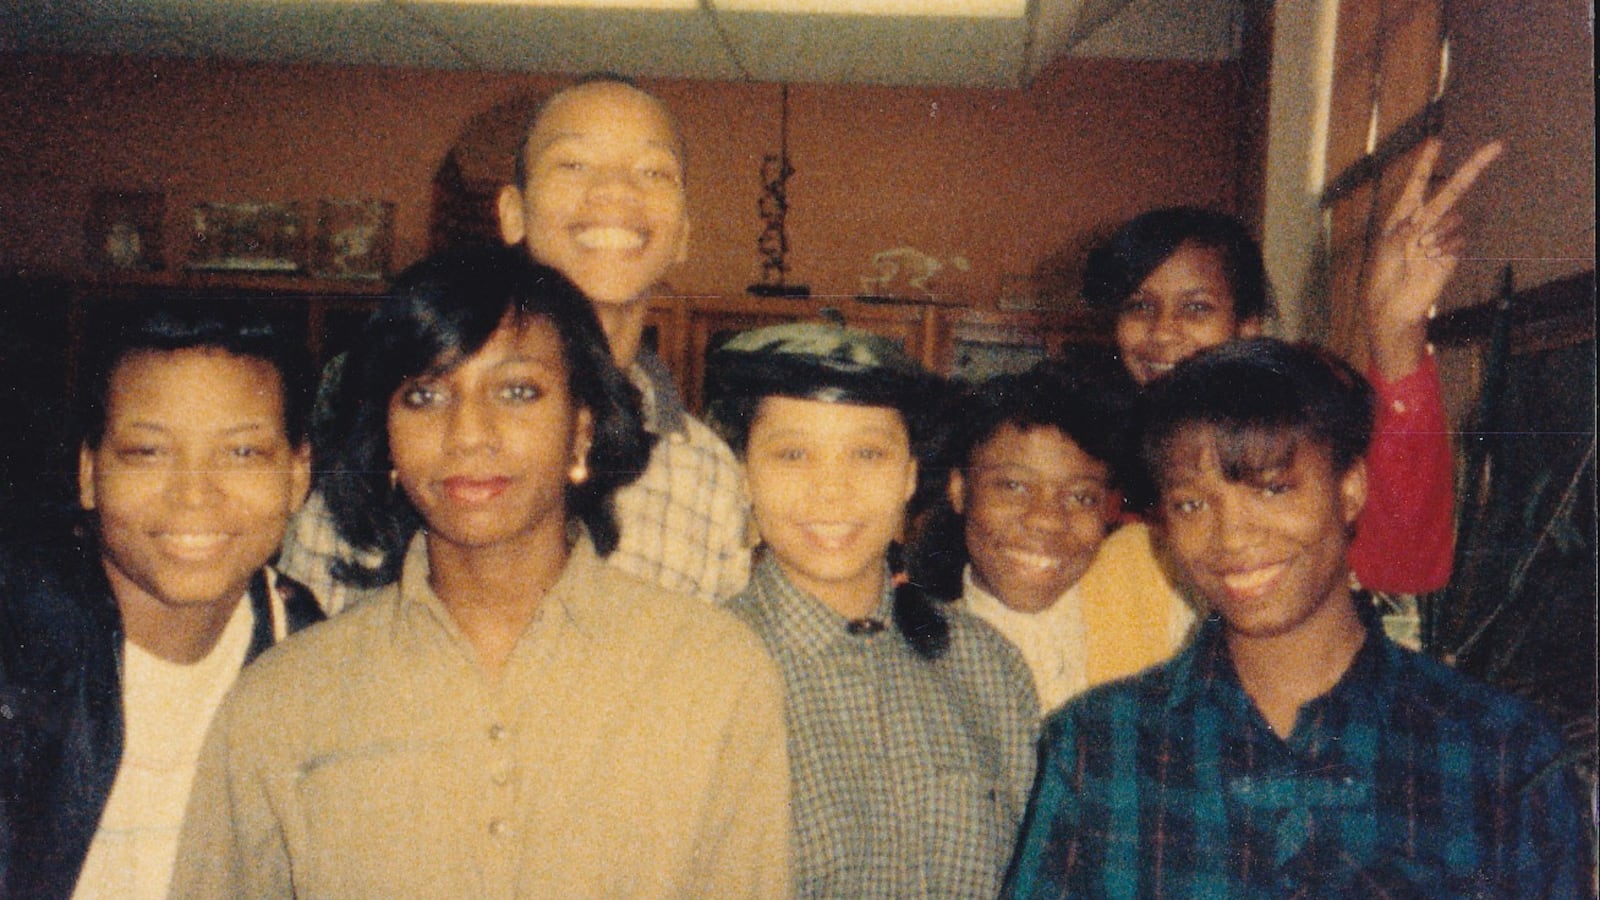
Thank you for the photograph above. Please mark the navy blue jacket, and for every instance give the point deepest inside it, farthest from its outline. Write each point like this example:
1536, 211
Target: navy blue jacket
61, 726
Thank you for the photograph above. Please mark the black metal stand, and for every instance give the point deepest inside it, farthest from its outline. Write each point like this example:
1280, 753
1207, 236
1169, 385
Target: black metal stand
774, 206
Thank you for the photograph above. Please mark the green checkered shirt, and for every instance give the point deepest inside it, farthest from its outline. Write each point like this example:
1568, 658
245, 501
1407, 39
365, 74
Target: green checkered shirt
909, 775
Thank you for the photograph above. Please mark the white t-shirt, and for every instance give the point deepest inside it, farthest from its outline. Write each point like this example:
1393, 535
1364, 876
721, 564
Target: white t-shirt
167, 708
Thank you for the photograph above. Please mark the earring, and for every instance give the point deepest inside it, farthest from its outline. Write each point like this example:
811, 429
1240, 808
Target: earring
394, 479
579, 473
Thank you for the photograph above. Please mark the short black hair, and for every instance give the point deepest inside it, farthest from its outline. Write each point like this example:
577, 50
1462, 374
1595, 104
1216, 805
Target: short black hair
1086, 395
1261, 398
1115, 268
520, 164
169, 324
437, 313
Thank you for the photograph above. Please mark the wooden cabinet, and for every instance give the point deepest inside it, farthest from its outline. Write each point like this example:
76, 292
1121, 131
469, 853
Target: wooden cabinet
683, 329
983, 342
328, 315
689, 329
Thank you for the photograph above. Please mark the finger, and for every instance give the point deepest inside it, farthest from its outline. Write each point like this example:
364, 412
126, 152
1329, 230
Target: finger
1446, 228
1416, 185
1449, 249
1461, 181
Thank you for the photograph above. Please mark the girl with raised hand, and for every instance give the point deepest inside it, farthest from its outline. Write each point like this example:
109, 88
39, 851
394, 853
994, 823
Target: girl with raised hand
1181, 280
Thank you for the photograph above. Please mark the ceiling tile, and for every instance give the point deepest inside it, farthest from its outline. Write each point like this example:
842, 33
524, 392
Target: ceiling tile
878, 50
632, 42
714, 41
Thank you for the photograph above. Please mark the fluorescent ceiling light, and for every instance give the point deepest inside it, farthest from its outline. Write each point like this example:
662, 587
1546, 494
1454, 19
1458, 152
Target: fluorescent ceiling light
965, 9
647, 5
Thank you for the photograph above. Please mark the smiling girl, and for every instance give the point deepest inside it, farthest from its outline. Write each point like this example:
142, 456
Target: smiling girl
1182, 280
508, 716
910, 726
1031, 492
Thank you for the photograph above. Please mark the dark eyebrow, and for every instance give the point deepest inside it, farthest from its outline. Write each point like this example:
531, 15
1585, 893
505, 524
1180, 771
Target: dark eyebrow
247, 427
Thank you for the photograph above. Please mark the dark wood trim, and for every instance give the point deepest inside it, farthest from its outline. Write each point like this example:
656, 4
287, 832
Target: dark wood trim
1554, 314
1402, 140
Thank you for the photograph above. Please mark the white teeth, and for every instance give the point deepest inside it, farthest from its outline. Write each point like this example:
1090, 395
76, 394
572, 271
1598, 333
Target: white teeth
610, 237
830, 534
1035, 560
193, 542
1253, 580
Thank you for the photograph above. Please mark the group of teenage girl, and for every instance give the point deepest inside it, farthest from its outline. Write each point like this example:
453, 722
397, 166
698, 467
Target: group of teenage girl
933, 569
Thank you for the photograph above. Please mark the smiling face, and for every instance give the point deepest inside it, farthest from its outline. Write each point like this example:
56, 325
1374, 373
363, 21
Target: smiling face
194, 479
1268, 552
604, 199
1035, 507
1184, 306
829, 484
484, 449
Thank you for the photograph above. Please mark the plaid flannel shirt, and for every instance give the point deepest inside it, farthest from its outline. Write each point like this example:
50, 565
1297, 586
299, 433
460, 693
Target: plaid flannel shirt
909, 776
1405, 780
684, 522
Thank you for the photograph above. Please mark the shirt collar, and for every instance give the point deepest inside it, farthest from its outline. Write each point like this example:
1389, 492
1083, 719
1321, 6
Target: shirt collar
1205, 668
806, 623
664, 412
1369, 680
990, 608
1195, 670
572, 597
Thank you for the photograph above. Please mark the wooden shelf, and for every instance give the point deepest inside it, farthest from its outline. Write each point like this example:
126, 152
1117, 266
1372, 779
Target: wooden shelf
329, 313
684, 330
204, 283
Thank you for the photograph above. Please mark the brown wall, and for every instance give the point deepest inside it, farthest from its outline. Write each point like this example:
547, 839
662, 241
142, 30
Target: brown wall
1524, 73
1004, 178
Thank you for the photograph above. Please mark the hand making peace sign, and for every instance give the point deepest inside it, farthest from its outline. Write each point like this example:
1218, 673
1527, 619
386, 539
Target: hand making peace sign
1414, 258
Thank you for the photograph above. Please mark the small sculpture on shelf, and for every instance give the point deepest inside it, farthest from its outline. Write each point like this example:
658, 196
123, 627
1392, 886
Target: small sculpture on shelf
122, 231
904, 273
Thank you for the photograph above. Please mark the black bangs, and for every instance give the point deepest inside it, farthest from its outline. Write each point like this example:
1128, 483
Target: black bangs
1115, 268
1244, 454
1255, 401
427, 329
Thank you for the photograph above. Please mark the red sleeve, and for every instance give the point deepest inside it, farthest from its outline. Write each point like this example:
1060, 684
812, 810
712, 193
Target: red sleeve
1405, 538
